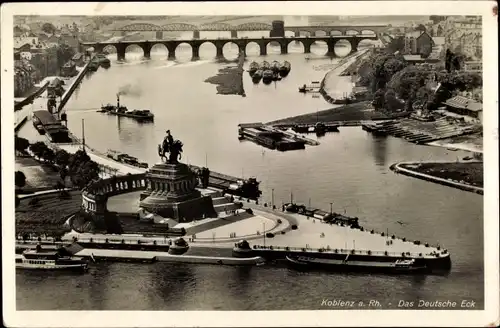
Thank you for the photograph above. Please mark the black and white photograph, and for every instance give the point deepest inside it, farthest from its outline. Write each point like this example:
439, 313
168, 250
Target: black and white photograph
323, 157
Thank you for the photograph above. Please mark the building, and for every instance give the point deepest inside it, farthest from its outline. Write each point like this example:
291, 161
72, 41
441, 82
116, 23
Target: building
78, 59
24, 77
69, 69
418, 43
473, 66
465, 106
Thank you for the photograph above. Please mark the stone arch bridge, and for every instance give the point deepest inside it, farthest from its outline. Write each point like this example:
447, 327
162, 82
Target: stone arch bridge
195, 44
313, 30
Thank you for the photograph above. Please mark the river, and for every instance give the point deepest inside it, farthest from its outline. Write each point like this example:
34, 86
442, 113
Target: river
349, 168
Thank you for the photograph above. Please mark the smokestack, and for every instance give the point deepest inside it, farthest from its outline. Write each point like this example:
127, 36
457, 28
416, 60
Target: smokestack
117, 100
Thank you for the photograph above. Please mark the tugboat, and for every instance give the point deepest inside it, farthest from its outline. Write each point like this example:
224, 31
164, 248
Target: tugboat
257, 76
267, 76
179, 247
141, 115
49, 260
400, 266
242, 249
254, 67
285, 69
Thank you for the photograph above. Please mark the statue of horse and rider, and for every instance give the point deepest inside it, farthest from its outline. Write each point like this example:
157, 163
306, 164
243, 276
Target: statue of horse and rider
171, 147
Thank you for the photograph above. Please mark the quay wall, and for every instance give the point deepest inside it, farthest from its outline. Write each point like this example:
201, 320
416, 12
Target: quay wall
462, 186
31, 97
65, 97
20, 124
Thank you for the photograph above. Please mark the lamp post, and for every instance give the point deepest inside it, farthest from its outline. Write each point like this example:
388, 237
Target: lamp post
272, 198
264, 232
331, 208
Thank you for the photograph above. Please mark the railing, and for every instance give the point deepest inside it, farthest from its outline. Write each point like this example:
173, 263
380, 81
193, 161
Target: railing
341, 251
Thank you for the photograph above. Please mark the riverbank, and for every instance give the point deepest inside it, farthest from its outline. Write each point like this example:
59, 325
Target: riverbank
362, 111
229, 80
466, 176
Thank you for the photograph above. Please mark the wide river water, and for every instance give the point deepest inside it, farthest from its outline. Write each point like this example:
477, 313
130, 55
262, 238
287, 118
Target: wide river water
349, 168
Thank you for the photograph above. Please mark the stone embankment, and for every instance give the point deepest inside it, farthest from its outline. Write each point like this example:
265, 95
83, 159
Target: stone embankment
229, 79
460, 175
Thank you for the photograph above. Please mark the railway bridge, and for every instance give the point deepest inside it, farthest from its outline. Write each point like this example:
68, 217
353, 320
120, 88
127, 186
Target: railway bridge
242, 43
277, 28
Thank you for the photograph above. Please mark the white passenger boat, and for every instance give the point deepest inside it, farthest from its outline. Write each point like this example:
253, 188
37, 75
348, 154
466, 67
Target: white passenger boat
49, 260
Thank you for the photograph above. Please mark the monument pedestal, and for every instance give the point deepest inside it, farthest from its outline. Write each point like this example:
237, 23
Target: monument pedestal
171, 193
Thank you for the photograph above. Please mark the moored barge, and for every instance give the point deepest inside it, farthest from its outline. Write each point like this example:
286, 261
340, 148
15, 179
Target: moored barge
254, 66
141, 115
285, 68
45, 123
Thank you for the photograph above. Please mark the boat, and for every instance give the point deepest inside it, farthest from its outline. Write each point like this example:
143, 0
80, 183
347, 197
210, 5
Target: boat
275, 66
45, 123
125, 158
49, 259
93, 65
285, 69
265, 65
467, 158
103, 60
179, 247
118, 110
257, 76
254, 66
267, 76
276, 76
399, 266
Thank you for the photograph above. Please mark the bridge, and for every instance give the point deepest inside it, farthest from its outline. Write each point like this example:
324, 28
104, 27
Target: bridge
171, 45
313, 30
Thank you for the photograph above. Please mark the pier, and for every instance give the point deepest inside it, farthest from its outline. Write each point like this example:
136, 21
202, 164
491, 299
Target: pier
273, 138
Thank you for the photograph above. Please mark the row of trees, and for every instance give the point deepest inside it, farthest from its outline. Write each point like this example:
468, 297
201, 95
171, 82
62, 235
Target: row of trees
396, 85
78, 166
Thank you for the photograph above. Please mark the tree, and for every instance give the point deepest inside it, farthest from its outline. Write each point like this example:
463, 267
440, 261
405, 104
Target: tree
85, 173
392, 103
49, 28
436, 19
62, 158
378, 99
21, 144
38, 148
48, 155
64, 54
421, 28
19, 179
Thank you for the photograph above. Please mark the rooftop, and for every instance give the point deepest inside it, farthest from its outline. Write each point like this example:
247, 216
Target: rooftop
464, 103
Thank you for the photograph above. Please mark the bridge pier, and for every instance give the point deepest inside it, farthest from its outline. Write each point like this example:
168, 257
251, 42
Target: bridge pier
219, 52
196, 34
159, 35
284, 48
171, 51
354, 46
234, 34
147, 50
196, 52
120, 52
263, 49
297, 34
331, 48
307, 48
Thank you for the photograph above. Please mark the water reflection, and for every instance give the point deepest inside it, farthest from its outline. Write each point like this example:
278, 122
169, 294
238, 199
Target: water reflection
379, 149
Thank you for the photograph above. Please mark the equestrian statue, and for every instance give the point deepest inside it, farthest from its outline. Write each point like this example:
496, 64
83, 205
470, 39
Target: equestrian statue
171, 147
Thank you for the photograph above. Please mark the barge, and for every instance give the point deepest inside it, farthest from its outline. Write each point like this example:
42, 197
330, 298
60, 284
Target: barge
285, 68
254, 67
45, 123
125, 158
268, 76
269, 137
257, 76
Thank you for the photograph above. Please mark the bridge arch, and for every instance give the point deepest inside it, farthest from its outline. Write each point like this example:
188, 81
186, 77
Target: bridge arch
184, 51
253, 27
208, 50
320, 33
252, 48
230, 50
135, 27
305, 33
342, 48
319, 47
368, 32
296, 46
352, 32
110, 49
159, 50
273, 47
134, 50
336, 32
179, 27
